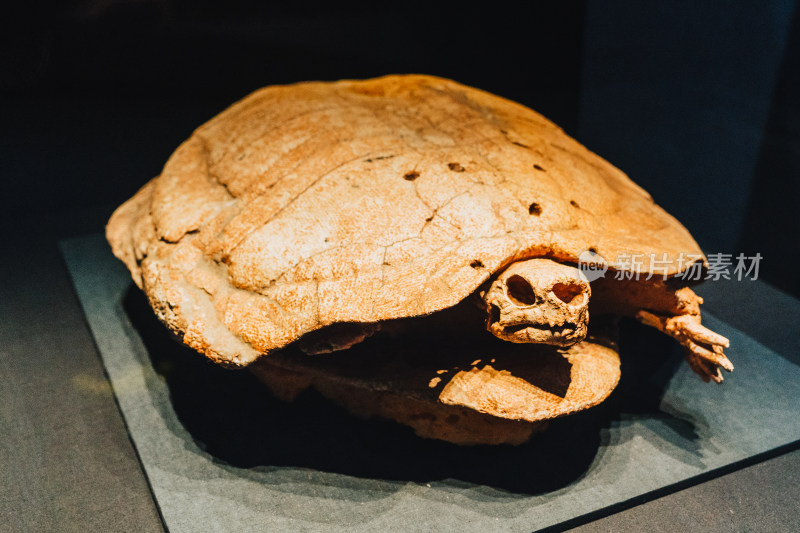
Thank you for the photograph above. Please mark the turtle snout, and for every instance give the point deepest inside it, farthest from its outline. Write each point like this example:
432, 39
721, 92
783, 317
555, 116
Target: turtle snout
539, 300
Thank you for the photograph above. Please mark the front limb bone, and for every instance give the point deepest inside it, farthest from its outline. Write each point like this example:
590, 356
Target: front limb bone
674, 311
703, 347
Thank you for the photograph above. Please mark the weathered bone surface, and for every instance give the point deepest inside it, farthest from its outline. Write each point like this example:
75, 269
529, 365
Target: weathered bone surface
541, 301
359, 202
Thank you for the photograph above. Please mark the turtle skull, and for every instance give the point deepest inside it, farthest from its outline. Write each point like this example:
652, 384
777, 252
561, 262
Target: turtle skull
539, 300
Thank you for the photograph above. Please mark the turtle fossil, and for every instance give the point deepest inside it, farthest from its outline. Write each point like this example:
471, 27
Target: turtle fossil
313, 215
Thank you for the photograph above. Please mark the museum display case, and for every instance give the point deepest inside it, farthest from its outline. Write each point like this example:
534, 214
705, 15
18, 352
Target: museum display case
108, 423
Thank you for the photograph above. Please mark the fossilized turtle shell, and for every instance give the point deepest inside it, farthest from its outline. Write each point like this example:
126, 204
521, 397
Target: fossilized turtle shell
306, 205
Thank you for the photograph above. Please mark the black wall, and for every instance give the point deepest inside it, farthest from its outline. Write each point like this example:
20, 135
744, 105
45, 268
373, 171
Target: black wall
95, 94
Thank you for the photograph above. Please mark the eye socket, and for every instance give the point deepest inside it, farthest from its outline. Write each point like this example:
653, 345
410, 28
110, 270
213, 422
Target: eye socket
520, 291
567, 293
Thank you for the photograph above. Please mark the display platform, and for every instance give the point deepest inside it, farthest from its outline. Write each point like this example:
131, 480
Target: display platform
221, 454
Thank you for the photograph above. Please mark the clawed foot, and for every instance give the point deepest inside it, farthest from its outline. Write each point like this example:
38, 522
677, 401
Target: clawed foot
703, 347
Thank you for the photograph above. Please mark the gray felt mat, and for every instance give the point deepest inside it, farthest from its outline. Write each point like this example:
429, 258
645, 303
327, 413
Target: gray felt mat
222, 455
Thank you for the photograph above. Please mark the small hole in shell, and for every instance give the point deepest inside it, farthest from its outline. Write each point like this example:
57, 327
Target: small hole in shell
539, 167
567, 293
573, 203
411, 176
520, 291
476, 264
535, 209
455, 167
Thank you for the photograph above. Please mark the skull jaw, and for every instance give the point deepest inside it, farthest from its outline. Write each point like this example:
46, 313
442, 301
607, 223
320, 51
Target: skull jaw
564, 336
538, 301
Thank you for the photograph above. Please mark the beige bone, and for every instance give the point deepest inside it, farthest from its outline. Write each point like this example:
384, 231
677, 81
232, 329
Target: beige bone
539, 300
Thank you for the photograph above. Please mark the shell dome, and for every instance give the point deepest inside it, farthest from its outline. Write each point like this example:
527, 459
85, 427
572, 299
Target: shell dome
306, 205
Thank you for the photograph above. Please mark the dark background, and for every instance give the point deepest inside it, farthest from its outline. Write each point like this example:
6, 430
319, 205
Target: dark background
698, 101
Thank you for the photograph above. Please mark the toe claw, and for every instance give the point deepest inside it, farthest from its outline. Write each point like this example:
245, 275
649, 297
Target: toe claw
707, 370
700, 333
704, 348
713, 356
